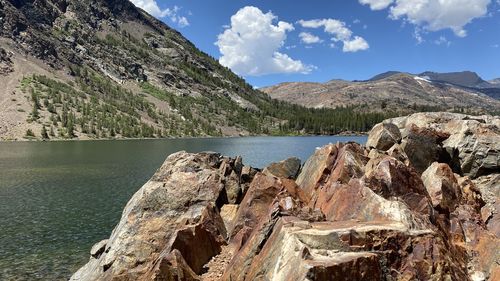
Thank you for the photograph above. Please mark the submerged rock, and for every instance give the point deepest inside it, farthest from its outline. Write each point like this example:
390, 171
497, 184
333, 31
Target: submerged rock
419, 205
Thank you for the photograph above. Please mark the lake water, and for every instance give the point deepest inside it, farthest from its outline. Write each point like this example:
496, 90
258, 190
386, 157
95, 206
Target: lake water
59, 198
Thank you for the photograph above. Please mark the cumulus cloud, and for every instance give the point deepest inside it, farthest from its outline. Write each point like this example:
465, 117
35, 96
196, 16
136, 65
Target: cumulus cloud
309, 38
434, 15
250, 45
377, 4
355, 44
153, 9
340, 33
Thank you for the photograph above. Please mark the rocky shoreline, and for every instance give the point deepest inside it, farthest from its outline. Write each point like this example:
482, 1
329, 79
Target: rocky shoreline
419, 202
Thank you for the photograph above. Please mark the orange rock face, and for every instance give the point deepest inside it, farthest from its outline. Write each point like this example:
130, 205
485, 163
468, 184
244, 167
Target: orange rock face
406, 208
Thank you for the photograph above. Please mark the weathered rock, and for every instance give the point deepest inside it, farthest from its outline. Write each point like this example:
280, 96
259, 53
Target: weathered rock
228, 213
98, 249
442, 186
317, 169
489, 187
332, 163
232, 171
383, 136
355, 201
172, 267
175, 210
397, 152
259, 198
422, 146
288, 169
473, 145
349, 250
390, 178
6, 64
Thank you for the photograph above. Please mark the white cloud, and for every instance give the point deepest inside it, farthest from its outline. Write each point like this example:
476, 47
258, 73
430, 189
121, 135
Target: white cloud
377, 4
442, 41
339, 31
434, 15
355, 44
182, 21
153, 9
251, 45
309, 38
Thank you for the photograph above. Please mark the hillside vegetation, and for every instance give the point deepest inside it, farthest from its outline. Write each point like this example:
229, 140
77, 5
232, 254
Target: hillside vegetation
106, 69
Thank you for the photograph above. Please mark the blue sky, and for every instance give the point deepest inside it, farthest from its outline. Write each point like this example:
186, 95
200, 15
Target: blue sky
269, 42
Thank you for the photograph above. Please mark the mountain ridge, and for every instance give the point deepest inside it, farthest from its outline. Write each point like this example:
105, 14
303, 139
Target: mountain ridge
399, 90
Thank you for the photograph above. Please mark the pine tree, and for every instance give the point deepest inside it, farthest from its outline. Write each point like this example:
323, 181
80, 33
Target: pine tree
29, 133
45, 136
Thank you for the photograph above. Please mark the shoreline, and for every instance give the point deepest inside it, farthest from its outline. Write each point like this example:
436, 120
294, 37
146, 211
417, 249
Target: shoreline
178, 138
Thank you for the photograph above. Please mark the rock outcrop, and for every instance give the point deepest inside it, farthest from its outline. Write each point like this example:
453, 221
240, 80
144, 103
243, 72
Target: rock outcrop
171, 227
420, 203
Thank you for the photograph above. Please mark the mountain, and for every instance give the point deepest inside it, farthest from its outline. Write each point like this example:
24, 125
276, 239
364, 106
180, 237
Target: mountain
395, 91
464, 78
495, 82
384, 75
82, 69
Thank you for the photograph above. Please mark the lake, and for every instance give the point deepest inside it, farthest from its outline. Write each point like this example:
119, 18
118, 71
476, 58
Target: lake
59, 198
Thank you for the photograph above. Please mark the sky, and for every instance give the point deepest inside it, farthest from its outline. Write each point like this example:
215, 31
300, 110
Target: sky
273, 41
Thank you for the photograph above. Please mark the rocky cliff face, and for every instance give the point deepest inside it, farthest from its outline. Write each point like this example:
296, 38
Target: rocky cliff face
419, 202
106, 69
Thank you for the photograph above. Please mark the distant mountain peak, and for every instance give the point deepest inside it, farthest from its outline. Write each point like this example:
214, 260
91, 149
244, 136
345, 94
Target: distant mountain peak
463, 78
384, 75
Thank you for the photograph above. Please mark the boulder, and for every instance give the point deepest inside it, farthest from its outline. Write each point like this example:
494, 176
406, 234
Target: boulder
258, 200
288, 169
390, 178
356, 201
228, 213
473, 145
442, 187
422, 146
349, 250
332, 163
383, 136
153, 225
317, 168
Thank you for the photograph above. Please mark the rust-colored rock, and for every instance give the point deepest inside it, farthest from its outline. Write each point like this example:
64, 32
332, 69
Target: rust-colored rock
383, 136
153, 224
489, 187
442, 187
228, 213
330, 164
288, 169
391, 178
422, 146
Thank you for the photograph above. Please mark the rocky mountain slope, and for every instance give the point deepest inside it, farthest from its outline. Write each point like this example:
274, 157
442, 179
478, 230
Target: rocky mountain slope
419, 202
396, 91
106, 69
